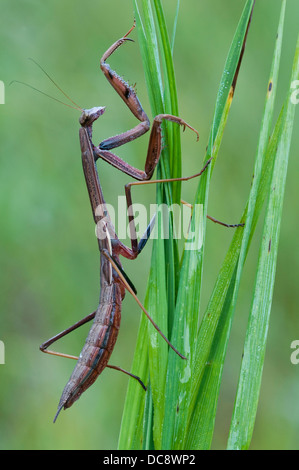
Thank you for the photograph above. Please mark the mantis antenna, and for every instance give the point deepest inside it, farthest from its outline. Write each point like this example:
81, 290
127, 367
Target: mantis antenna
54, 83
76, 106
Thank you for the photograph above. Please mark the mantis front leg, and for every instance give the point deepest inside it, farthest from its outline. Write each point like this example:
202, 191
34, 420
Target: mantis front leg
128, 95
153, 152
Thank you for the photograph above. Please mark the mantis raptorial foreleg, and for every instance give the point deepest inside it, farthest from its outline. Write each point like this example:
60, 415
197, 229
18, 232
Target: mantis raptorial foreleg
153, 153
128, 95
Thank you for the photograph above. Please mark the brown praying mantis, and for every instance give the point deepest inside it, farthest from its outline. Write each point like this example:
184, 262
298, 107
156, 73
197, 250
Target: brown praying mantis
95, 355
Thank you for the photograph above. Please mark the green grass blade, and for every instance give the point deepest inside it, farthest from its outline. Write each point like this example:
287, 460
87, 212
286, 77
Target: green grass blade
171, 103
179, 382
231, 70
133, 422
175, 25
256, 336
158, 349
201, 428
217, 323
220, 310
150, 56
172, 157
131, 432
161, 284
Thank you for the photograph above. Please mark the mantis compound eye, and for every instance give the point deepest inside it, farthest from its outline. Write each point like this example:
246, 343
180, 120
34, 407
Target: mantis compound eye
88, 116
83, 118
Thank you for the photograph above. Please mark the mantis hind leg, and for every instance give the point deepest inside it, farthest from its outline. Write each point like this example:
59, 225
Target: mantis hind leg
43, 347
130, 374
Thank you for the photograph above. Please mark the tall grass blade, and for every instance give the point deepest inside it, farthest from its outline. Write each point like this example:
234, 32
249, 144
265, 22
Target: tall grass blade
221, 307
181, 385
161, 291
256, 336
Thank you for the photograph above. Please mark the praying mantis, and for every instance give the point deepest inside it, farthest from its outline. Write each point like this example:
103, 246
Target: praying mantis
99, 345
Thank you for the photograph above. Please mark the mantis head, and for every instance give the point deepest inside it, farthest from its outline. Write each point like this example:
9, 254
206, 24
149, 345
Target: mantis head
88, 116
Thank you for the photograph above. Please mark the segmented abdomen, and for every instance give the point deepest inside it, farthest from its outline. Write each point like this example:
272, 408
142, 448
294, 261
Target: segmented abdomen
98, 346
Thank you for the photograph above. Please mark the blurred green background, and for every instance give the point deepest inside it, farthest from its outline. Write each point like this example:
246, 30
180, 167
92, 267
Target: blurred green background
49, 257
